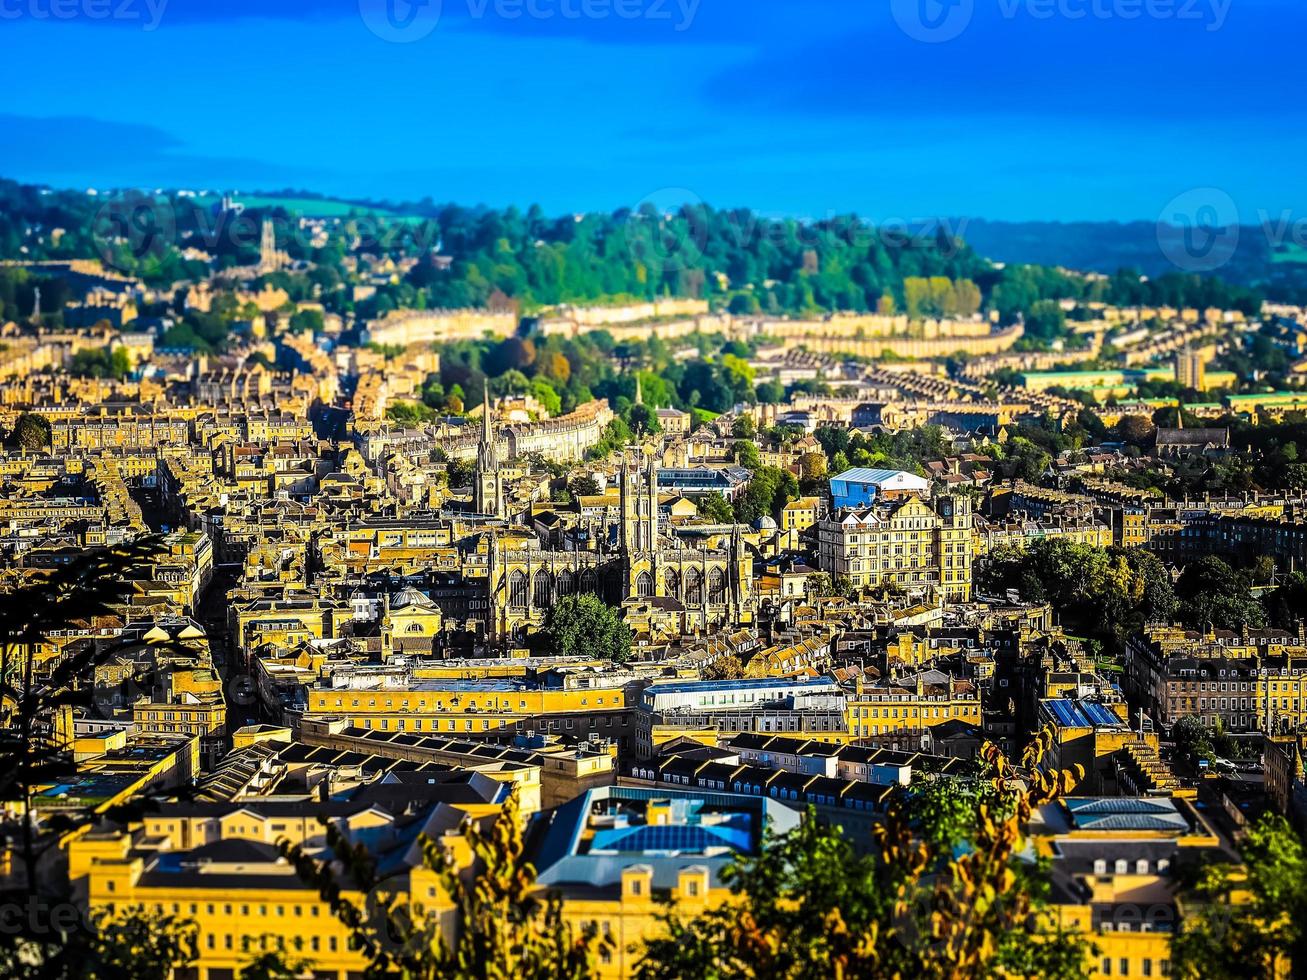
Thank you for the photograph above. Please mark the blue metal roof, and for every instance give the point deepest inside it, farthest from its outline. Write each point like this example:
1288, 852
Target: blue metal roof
1069, 713
673, 838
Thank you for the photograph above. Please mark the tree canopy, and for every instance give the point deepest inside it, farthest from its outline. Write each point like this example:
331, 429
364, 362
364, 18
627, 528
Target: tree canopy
1249, 921
811, 905
1104, 592
585, 626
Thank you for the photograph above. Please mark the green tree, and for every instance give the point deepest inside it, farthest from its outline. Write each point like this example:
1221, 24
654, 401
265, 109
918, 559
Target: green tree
141, 946
616, 436
715, 509
744, 427
768, 491
461, 473
100, 362
34, 706
1288, 604
725, 668
505, 928
1028, 459
309, 320
1108, 593
275, 964
1249, 921
747, 455
31, 433
409, 413
545, 393
584, 486
809, 905
120, 363
1193, 740
585, 626
644, 420
1046, 321
1212, 594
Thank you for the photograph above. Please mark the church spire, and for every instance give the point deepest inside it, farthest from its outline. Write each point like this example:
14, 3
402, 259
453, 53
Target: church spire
489, 483
639, 392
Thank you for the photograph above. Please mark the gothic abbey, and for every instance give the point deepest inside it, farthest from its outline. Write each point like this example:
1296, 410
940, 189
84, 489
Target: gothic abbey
695, 580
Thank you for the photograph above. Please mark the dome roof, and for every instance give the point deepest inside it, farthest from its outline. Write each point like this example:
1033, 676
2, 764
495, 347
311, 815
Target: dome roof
765, 523
409, 597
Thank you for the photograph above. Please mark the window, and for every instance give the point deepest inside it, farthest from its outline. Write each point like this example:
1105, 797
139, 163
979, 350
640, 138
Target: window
544, 590
693, 588
644, 586
517, 591
717, 587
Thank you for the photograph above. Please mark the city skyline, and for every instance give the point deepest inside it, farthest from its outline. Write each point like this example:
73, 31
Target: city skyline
652, 489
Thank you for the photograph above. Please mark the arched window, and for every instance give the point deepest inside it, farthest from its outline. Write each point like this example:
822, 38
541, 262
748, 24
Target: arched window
415, 627
566, 582
716, 587
589, 584
517, 590
644, 586
544, 590
693, 588
673, 584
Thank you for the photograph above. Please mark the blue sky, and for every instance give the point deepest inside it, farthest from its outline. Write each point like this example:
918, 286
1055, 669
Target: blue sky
896, 109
